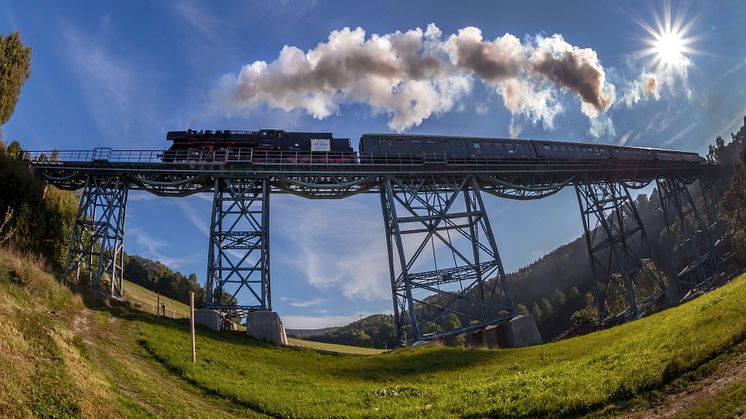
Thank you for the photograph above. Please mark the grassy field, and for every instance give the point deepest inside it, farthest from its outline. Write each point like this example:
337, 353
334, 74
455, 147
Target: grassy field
331, 347
146, 300
569, 377
65, 354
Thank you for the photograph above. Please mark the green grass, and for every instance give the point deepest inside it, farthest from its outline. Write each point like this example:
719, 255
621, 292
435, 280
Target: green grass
68, 355
333, 347
146, 300
568, 377
729, 404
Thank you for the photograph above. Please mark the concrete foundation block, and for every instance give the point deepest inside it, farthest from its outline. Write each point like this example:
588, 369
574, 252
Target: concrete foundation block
209, 318
518, 331
267, 326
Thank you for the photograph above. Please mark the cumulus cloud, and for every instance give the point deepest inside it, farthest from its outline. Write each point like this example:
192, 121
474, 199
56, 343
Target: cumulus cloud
413, 75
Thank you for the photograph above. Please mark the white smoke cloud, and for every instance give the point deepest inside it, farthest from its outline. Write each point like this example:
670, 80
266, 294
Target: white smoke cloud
411, 76
649, 83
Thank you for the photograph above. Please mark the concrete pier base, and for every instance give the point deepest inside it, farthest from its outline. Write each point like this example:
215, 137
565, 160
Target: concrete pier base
267, 326
209, 318
518, 331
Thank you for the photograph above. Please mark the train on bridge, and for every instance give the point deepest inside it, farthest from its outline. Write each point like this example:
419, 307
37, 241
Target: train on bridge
279, 146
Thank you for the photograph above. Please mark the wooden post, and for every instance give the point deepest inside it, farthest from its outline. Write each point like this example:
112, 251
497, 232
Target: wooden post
158, 304
194, 343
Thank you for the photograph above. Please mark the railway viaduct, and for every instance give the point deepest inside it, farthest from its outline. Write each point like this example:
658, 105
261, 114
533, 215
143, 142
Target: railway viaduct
423, 203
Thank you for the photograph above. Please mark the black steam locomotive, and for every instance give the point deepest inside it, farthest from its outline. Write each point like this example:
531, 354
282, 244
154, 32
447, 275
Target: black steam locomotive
278, 146
263, 146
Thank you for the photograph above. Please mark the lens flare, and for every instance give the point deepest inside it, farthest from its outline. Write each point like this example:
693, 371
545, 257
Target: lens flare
670, 41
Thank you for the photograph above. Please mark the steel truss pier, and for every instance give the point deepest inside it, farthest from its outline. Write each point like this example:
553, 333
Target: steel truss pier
420, 213
238, 257
626, 284
696, 260
97, 241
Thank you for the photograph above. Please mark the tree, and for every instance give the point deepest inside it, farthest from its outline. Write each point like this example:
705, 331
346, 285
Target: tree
536, 311
733, 206
546, 306
559, 298
521, 309
15, 60
14, 148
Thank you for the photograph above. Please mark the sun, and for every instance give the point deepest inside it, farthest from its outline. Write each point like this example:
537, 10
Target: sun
670, 41
669, 48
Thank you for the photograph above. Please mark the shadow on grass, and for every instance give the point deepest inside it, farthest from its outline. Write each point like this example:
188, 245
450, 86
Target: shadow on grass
412, 362
400, 363
97, 301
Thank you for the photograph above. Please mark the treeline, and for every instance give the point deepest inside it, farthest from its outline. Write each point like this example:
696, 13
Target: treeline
34, 217
376, 331
38, 218
558, 288
157, 277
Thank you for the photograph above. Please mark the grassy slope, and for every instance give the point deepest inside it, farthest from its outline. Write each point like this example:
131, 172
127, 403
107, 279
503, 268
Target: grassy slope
332, 347
145, 300
566, 377
66, 356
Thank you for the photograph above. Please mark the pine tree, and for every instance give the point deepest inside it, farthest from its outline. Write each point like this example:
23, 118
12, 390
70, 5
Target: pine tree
15, 60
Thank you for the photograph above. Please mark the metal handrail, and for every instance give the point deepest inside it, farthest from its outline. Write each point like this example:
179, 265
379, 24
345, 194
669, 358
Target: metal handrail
250, 156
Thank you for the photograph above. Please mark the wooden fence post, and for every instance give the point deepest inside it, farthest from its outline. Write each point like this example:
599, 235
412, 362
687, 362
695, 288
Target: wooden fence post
191, 310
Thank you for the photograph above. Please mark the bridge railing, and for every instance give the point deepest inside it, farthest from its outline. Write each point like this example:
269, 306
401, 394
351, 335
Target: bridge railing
310, 160
242, 156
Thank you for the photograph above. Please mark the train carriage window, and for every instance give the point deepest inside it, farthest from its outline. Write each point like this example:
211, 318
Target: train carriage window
547, 147
476, 144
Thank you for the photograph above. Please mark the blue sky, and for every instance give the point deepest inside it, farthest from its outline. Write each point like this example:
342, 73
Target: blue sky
121, 74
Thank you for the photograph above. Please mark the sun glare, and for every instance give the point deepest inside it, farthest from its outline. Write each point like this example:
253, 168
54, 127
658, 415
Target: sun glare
669, 48
670, 41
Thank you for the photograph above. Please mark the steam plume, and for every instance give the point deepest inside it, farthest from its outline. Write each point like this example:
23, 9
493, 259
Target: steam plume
413, 75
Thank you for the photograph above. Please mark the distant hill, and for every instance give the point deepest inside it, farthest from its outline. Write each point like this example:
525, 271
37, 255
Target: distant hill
301, 333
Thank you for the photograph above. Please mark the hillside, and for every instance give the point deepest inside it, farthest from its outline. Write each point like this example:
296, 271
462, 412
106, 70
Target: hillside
67, 355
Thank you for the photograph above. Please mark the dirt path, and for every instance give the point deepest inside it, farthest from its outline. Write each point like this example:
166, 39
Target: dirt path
141, 386
731, 372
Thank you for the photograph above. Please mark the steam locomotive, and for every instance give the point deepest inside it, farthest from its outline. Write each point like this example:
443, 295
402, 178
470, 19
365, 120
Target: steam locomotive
263, 146
278, 146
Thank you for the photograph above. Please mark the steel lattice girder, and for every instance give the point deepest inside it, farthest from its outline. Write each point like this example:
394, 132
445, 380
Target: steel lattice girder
429, 212
238, 257
97, 241
616, 239
696, 261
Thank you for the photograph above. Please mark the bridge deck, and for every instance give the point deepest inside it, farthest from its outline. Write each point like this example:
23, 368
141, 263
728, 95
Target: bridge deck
331, 178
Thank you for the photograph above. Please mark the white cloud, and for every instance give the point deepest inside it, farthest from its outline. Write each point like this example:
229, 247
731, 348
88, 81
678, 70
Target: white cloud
602, 126
153, 248
117, 92
295, 302
336, 244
